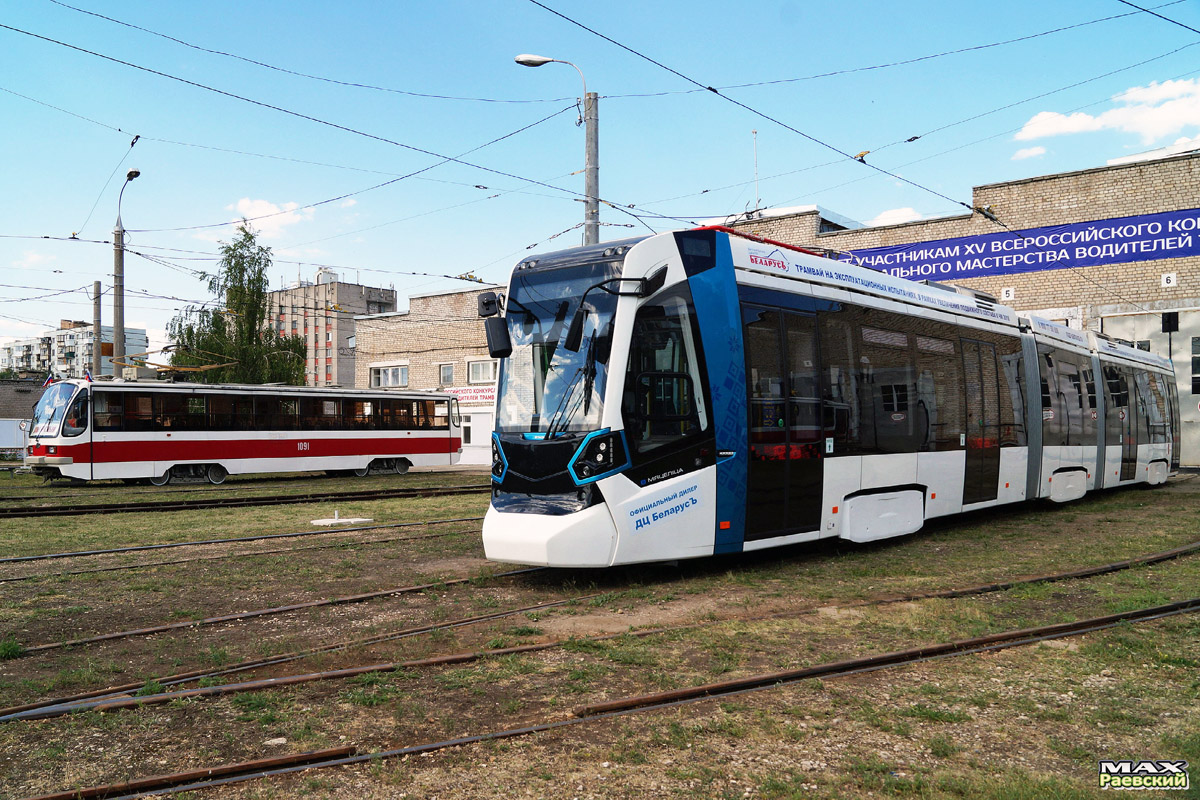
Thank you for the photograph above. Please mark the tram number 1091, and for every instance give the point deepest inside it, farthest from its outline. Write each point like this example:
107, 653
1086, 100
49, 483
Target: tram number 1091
301, 445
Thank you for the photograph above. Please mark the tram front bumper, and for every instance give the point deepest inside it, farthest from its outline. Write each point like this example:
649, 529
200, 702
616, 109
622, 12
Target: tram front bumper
48, 461
584, 539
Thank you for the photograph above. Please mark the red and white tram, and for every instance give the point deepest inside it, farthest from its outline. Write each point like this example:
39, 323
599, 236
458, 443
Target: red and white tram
161, 431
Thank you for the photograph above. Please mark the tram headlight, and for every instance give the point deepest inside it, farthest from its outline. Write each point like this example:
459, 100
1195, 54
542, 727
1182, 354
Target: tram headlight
499, 462
602, 453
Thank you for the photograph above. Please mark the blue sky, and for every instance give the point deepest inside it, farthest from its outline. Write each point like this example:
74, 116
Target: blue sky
222, 138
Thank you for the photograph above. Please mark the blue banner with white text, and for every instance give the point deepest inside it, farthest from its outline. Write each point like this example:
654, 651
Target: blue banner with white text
1148, 237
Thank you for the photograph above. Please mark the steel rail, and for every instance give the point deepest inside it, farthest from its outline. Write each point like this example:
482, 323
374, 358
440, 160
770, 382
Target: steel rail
262, 612
70, 704
239, 554
232, 502
66, 705
641, 705
992, 641
232, 540
166, 781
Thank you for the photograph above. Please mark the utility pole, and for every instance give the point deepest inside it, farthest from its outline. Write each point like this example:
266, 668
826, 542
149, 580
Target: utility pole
591, 151
97, 332
591, 122
119, 280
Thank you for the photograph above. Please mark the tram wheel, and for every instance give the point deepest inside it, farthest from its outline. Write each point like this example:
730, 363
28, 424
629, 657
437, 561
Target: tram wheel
402, 466
161, 480
216, 474
360, 472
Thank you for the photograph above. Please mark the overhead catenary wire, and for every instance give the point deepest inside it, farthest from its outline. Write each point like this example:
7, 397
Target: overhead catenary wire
296, 73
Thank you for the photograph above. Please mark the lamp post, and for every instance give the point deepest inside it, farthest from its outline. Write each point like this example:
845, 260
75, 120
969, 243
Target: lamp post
591, 190
119, 279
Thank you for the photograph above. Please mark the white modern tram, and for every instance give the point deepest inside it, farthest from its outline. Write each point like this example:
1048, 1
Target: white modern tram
165, 431
704, 392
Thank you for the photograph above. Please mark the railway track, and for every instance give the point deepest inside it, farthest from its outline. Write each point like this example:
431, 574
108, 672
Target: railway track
118, 697
233, 502
194, 780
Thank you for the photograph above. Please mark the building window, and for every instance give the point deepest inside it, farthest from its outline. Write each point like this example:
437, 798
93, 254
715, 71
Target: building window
389, 376
466, 429
445, 374
481, 371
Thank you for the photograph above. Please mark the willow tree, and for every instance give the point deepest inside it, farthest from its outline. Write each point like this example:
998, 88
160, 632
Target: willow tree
236, 331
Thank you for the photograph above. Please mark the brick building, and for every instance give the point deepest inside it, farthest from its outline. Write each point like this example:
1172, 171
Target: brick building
1109, 249
438, 344
323, 312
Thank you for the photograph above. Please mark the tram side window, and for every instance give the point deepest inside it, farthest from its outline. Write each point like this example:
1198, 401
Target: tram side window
139, 411
107, 411
269, 414
888, 383
839, 359
435, 414
320, 414
230, 412
179, 412
1066, 403
663, 399
359, 414
1116, 404
939, 403
1160, 415
1151, 408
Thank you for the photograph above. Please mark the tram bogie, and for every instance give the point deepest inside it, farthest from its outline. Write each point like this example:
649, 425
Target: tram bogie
702, 392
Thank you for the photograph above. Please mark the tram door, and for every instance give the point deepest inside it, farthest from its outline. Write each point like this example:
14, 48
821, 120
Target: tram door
783, 392
982, 383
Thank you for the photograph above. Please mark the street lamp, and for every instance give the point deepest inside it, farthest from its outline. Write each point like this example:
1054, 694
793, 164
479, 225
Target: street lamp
119, 280
591, 213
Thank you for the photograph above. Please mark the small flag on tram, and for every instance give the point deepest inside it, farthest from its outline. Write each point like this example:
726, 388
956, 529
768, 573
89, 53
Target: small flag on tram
49, 379
87, 375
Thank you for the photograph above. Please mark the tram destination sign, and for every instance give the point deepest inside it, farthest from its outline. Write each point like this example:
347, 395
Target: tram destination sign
1148, 237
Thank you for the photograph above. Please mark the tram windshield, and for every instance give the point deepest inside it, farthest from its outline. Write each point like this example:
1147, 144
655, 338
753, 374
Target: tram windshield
544, 387
49, 411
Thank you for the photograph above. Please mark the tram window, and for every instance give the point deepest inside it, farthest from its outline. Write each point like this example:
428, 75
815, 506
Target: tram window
1116, 405
663, 399
359, 414
139, 411
1196, 365
106, 411
939, 402
887, 380
316, 416
1156, 408
75, 421
805, 436
841, 419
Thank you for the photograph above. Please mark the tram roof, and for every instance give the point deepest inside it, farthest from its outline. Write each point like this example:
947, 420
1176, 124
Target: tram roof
300, 391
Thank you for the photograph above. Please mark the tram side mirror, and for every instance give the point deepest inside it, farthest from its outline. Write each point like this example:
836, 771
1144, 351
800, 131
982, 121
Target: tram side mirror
653, 283
498, 341
489, 304
575, 332
24, 425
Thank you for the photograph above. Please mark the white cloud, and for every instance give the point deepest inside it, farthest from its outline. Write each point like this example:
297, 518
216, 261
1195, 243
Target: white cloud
349, 202
269, 219
895, 216
1151, 112
1028, 152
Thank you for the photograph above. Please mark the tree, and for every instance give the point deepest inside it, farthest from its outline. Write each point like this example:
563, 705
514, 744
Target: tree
239, 333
